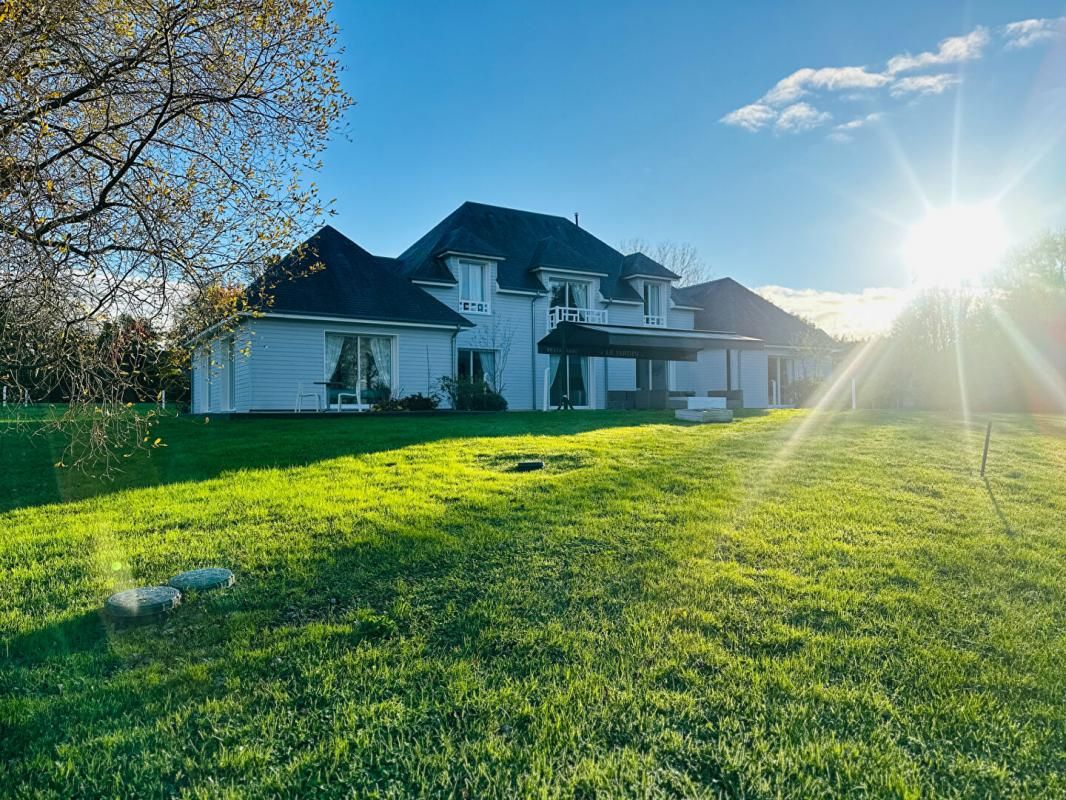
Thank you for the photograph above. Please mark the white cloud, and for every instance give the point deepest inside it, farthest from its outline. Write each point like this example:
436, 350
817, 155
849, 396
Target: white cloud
843, 133
924, 84
801, 117
953, 50
833, 79
751, 117
860, 122
1029, 32
781, 109
853, 315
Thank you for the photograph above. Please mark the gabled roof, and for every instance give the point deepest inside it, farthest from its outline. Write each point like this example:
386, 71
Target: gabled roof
516, 236
639, 264
350, 283
729, 306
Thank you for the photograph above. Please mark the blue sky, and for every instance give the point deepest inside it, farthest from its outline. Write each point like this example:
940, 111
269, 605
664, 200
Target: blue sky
680, 121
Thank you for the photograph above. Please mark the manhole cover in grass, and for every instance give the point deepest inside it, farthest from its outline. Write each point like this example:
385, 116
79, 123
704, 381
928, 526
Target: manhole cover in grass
203, 580
145, 603
531, 462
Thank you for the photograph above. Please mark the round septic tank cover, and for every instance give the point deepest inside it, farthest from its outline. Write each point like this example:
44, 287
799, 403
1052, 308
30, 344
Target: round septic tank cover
202, 580
147, 601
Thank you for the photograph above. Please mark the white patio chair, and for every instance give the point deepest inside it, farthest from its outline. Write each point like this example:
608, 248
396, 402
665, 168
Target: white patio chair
342, 395
301, 394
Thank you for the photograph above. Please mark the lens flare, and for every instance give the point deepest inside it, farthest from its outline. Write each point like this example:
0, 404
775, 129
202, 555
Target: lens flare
955, 246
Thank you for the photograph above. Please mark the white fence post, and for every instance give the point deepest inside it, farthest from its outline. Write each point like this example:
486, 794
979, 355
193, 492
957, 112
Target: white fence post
547, 372
163, 398
853, 403
5, 395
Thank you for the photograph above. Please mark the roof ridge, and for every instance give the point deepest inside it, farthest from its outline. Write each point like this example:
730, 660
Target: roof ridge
516, 210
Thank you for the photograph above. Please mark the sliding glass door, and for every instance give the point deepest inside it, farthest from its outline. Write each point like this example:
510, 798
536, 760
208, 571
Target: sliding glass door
569, 378
359, 368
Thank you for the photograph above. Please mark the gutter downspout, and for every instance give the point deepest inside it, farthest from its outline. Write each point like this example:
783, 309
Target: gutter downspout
533, 350
455, 334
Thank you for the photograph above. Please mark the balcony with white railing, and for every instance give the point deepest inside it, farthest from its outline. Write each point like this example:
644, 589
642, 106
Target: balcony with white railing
557, 314
655, 321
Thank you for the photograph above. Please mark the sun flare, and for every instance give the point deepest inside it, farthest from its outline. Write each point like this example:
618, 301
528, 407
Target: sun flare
955, 246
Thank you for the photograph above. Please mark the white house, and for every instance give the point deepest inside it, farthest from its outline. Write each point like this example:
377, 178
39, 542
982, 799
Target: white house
534, 304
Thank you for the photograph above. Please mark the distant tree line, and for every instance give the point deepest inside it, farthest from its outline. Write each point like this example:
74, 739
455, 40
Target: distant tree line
1002, 348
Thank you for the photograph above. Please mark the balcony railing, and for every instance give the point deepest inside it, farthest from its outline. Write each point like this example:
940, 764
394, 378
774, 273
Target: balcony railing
557, 314
655, 320
474, 306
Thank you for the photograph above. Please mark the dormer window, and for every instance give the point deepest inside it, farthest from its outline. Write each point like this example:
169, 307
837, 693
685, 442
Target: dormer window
654, 307
473, 286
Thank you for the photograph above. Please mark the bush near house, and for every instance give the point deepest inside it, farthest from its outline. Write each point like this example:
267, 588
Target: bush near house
472, 394
788, 606
411, 402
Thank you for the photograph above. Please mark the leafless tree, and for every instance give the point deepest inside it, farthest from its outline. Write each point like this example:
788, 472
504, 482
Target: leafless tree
678, 257
497, 336
148, 149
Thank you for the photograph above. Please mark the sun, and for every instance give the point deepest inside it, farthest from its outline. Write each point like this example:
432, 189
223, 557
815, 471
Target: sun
955, 246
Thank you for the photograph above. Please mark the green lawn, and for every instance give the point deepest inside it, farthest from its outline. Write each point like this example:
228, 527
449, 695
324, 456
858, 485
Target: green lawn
788, 606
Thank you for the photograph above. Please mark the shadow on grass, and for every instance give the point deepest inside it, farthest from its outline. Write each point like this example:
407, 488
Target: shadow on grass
516, 581
1007, 528
196, 448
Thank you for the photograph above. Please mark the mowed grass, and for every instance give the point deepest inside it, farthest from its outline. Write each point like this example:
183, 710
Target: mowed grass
788, 606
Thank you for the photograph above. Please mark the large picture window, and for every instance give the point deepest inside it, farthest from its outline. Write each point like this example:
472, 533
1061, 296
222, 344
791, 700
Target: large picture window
478, 365
474, 286
358, 369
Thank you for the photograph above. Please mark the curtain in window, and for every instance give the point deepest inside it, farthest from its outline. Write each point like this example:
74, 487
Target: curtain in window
579, 295
488, 367
472, 281
579, 380
334, 345
381, 350
557, 381
653, 300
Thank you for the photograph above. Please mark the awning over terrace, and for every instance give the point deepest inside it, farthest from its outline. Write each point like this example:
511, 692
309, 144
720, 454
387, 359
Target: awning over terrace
629, 341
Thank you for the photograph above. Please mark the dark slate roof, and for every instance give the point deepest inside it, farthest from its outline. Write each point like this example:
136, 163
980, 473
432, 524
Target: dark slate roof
519, 236
729, 306
552, 253
463, 242
640, 264
351, 283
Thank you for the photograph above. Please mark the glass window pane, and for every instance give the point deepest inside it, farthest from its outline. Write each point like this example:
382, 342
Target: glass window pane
375, 379
642, 373
558, 294
342, 365
558, 382
464, 364
578, 374
658, 375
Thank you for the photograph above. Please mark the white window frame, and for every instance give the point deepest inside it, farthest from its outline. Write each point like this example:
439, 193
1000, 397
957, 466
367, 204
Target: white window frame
468, 352
361, 406
654, 317
467, 304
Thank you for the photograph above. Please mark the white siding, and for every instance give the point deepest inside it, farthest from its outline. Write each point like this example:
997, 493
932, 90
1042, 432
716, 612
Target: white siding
682, 318
753, 378
510, 332
286, 353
